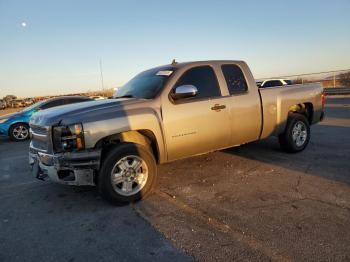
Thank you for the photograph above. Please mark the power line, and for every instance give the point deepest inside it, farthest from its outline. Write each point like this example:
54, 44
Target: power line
318, 73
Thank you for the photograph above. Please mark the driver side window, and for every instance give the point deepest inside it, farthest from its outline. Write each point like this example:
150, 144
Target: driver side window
204, 79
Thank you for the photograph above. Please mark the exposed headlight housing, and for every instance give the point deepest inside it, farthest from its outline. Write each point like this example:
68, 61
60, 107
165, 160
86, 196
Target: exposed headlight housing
68, 138
3, 120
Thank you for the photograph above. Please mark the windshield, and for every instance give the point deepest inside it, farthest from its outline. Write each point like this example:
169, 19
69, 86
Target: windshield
146, 84
27, 109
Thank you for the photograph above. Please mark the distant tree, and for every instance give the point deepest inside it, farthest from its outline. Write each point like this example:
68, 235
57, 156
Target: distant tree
344, 79
299, 80
8, 98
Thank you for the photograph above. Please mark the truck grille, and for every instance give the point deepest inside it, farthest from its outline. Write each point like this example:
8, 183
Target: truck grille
41, 138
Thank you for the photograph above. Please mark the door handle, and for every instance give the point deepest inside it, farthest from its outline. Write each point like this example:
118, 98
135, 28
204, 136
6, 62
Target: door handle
218, 107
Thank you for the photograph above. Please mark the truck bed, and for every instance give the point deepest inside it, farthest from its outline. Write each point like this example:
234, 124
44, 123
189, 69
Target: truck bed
276, 103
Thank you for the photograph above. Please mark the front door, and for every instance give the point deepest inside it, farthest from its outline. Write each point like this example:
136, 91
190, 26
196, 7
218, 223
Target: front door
199, 124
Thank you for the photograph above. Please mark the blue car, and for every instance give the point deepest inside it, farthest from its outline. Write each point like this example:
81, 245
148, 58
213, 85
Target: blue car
16, 126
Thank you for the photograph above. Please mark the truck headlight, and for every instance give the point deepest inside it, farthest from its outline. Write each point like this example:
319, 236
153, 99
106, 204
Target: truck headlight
68, 138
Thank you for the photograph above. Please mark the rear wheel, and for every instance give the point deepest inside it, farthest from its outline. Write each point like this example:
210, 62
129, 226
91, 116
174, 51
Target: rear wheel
19, 132
127, 174
297, 134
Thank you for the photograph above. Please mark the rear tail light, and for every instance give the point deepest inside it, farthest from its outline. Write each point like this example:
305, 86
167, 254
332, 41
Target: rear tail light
323, 97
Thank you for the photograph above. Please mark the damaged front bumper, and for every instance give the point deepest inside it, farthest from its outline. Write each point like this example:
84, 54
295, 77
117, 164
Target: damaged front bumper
70, 168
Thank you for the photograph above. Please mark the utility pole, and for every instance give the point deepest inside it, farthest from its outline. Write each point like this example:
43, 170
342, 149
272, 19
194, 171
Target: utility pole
101, 75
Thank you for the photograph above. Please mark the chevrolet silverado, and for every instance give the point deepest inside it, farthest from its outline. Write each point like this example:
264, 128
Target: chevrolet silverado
164, 114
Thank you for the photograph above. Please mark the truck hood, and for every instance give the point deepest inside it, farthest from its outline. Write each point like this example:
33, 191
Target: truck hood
84, 112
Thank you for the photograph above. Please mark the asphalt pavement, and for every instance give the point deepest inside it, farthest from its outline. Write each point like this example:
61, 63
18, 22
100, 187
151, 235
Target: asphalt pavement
43, 221
253, 202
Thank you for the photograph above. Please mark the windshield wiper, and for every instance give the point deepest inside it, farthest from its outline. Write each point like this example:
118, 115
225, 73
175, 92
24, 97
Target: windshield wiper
125, 96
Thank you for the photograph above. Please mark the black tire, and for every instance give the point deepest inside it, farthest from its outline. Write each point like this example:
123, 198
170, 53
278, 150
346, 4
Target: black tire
14, 136
105, 185
286, 139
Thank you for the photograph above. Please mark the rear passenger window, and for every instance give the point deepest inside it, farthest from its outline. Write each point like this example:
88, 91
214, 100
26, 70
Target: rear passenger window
278, 83
204, 79
234, 79
268, 84
273, 83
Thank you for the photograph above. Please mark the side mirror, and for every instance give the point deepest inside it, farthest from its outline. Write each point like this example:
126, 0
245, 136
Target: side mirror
184, 91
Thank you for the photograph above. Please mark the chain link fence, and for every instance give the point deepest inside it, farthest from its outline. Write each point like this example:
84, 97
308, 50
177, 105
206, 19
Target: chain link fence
333, 82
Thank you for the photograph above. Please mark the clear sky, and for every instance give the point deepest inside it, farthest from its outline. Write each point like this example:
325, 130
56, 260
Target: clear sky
52, 47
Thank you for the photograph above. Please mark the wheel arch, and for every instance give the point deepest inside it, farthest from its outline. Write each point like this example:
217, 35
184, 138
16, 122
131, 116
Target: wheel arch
142, 137
286, 139
15, 123
305, 109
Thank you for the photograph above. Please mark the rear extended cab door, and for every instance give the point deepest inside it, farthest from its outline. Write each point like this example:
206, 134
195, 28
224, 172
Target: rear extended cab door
243, 101
200, 124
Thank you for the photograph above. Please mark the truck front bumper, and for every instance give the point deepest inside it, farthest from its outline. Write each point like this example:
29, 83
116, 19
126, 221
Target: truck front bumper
74, 168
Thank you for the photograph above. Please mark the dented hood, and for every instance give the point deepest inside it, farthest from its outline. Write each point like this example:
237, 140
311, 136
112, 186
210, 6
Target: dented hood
85, 112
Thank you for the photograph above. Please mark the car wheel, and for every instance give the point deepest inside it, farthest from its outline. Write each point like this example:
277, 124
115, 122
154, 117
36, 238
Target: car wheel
19, 132
297, 134
128, 173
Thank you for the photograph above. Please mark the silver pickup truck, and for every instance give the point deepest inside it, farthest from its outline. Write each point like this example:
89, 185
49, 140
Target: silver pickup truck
164, 114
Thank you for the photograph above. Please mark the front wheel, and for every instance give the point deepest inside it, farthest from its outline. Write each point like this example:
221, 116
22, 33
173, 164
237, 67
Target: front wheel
19, 132
127, 174
297, 134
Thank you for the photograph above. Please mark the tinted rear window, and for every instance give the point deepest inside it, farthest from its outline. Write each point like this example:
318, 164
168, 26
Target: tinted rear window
235, 79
